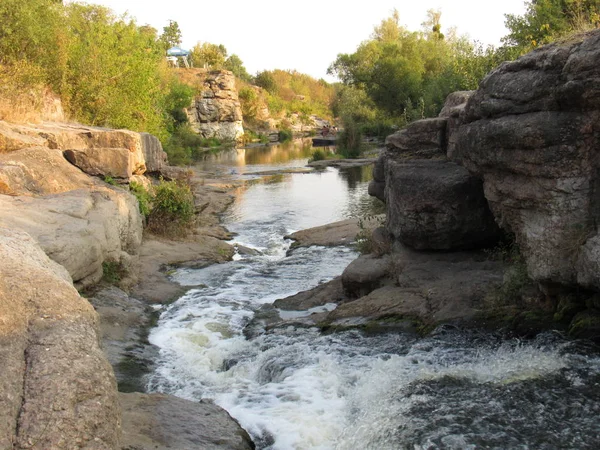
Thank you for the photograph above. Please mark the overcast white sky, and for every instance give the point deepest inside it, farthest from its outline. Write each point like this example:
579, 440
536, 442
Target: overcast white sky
307, 35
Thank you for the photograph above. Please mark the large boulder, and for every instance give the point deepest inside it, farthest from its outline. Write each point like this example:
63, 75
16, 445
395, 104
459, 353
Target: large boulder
79, 229
421, 139
161, 422
97, 151
113, 162
154, 155
57, 390
39, 171
217, 111
364, 275
437, 205
532, 133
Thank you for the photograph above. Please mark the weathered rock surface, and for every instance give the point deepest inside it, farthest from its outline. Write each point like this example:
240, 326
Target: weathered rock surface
429, 286
98, 151
453, 111
39, 171
437, 205
216, 112
364, 275
531, 132
157, 421
113, 162
421, 139
330, 292
154, 155
79, 229
124, 321
57, 389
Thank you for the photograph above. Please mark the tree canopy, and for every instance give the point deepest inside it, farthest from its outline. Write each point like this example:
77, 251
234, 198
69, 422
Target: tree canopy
546, 20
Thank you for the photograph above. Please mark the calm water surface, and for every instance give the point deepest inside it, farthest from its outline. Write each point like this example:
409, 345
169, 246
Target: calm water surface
293, 388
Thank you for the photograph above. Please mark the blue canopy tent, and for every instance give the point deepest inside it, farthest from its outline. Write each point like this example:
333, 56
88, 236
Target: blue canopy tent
176, 52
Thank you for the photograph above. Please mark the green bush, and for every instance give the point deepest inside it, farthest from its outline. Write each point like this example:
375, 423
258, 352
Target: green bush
318, 155
185, 144
112, 272
172, 210
285, 135
350, 141
143, 196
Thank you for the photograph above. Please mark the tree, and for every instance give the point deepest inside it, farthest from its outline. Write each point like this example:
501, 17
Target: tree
235, 64
266, 81
171, 35
210, 56
546, 20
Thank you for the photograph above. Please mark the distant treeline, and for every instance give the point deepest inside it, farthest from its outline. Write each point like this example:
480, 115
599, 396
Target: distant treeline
398, 75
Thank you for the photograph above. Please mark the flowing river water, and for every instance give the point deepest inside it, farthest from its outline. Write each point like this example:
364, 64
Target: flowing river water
295, 388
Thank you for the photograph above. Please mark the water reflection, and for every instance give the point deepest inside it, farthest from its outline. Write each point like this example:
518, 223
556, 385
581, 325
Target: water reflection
290, 154
355, 175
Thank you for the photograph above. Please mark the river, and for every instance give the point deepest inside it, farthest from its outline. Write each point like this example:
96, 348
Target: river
294, 388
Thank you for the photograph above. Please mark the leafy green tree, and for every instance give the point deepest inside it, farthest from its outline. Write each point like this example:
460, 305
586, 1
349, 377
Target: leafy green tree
171, 35
266, 81
235, 64
546, 20
210, 56
113, 77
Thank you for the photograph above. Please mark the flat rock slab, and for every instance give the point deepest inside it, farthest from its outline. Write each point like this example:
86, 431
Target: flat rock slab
342, 163
431, 287
161, 422
330, 292
333, 234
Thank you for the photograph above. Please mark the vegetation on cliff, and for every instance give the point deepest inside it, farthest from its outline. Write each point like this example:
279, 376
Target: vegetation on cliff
398, 76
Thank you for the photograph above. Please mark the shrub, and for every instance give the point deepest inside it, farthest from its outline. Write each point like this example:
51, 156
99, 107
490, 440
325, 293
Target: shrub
350, 141
318, 155
112, 272
172, 210
285, 135
143, 196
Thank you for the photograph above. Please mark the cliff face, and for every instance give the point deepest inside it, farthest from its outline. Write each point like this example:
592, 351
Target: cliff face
532, 133
526, 144
57, 389
58, 225
216, 112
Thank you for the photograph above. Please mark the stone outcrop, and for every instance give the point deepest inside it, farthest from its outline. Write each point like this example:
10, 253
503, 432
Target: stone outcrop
161, 422
79, 229
437, 205
531, 133
432, 203
57, 389
529, 139
216, 112
96, 151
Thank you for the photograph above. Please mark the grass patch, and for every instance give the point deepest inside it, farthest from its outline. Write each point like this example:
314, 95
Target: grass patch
112, 272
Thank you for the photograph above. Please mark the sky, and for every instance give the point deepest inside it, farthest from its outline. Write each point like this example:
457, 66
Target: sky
307, 35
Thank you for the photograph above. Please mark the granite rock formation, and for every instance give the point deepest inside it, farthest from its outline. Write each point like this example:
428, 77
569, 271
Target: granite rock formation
217, 112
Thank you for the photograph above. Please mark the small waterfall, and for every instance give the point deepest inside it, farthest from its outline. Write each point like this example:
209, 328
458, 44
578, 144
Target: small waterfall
294, 388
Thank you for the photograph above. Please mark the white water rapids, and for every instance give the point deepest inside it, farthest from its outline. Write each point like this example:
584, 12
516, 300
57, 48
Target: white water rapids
295, 388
